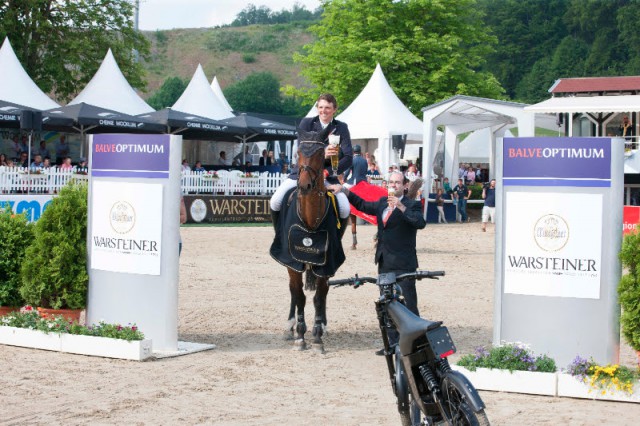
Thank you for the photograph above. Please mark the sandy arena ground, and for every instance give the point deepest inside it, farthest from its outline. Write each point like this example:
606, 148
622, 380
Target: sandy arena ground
234, 295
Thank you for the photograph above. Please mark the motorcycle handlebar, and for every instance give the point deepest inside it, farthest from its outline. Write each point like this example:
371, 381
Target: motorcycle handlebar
358, 281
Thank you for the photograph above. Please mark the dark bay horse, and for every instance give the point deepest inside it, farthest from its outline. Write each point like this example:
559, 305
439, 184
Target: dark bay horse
317, 221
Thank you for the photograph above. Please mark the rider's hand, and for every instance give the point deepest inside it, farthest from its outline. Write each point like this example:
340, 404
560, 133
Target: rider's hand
330, 151
334, 188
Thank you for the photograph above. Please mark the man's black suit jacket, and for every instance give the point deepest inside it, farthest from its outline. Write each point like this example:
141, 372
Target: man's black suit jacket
396, 250
309, 124
261, 162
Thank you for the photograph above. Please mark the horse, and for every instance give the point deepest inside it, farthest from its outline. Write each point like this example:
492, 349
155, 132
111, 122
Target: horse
316, 209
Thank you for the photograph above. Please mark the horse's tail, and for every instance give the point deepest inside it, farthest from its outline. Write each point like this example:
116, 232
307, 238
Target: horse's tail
309, 280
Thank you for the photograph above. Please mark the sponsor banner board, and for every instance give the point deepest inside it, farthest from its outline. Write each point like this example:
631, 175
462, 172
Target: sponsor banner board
137, 156
630, 219
223, 209
33, 205
126, 228
582, 162
552, 247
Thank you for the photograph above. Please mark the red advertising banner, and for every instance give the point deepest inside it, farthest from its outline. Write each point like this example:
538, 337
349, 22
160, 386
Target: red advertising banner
630, 219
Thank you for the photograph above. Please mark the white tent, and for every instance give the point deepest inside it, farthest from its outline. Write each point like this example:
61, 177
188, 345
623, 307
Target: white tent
199, 99
16, 86
462, 114
218, 92
476, 148
110, 89
376, 115
313, 111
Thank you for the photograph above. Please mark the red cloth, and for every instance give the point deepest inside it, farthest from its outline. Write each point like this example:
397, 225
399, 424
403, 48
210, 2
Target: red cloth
367, 192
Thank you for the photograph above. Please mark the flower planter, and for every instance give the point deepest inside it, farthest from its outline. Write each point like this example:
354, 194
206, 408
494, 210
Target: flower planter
137, 350
29, 338
4, 310
518, 381
571, 386
70, 314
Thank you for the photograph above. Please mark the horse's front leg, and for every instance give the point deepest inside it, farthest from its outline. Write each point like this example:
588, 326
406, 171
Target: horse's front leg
320, 303
298, 300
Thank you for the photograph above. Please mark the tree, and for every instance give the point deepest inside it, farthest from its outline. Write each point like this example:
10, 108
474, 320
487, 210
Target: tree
260, 92
168, 93
527, 31
62, 43
428, 49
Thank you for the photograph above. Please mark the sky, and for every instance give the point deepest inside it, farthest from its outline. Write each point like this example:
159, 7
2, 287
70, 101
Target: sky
169, 14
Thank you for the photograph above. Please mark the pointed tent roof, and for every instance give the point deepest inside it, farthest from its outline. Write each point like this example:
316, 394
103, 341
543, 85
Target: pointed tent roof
16, 86
378, 112
218, 91
199, 99
109, 89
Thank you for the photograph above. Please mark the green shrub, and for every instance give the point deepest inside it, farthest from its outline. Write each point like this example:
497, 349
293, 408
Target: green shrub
15, 236
629, 290
54, 271
248, 58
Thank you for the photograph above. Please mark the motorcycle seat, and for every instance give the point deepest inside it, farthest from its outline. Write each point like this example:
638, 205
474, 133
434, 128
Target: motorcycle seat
410, 326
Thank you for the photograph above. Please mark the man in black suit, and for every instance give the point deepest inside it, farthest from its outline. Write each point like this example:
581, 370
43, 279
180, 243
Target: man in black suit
265, 160
399, 219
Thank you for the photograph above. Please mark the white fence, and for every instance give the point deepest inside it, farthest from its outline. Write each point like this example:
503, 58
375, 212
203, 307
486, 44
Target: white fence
232, 182
22, 180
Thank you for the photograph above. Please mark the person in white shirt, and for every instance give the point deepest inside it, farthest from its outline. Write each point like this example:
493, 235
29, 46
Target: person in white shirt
223, 161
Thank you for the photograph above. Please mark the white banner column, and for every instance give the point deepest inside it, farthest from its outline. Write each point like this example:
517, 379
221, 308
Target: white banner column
133, 234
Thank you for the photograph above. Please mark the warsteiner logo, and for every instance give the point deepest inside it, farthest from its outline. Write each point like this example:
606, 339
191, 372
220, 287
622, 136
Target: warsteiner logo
122, 217
551, 232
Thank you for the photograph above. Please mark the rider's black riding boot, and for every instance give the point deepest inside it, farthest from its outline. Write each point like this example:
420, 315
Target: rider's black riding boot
274, 219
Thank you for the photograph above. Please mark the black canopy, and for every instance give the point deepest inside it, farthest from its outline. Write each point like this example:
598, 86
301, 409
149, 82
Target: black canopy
86, 118
192, 126
259, 129
10, 114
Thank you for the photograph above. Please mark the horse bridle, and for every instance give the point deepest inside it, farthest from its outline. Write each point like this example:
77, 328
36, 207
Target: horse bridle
306, 168
314, 183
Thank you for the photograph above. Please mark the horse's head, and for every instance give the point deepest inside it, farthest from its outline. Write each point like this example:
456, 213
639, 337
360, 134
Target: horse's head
311, 161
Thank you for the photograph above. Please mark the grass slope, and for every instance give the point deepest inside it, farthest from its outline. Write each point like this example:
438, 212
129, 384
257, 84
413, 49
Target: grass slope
228, 53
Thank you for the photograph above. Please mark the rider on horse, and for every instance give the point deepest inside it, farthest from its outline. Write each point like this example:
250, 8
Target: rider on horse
327, 106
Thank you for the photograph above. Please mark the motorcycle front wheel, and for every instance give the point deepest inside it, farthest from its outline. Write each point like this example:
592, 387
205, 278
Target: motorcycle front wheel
461, 413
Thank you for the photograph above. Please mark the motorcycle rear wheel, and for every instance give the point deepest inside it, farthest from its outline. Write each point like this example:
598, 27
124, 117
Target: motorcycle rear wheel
461, 412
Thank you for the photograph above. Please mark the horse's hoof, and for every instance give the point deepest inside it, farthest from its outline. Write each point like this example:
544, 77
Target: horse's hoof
318, 348
299, 345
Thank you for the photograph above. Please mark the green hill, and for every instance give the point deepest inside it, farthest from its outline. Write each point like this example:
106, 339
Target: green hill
230, 53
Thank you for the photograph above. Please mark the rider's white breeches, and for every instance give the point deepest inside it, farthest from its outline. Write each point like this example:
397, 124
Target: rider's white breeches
276, 199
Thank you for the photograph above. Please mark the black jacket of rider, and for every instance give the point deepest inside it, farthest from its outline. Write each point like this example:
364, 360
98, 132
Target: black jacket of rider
309, 124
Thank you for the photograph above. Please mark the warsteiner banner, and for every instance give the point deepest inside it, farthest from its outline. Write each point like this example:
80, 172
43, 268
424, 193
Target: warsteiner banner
223, 209
126, 231
552, 247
